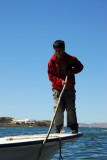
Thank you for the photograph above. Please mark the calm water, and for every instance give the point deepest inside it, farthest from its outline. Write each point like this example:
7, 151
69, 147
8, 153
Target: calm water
93, 145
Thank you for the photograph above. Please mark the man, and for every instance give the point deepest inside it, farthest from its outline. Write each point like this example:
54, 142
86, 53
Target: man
61, 65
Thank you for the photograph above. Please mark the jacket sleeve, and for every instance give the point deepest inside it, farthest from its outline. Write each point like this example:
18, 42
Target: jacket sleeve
75, 65
51, 74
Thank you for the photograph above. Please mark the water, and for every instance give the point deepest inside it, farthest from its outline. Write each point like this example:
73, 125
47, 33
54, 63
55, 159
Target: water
93, 145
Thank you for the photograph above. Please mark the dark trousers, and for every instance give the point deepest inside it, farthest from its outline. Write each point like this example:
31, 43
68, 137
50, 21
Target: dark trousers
67, 102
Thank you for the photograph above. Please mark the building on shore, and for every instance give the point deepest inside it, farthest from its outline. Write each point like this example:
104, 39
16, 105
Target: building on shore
23, 121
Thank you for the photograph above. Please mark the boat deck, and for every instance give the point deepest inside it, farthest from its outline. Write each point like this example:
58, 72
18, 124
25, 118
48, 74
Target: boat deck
28, 146
37, 137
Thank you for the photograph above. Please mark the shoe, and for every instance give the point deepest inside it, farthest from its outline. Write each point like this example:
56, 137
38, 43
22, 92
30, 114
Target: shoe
57, 131
74, 131
74, 128
63, 131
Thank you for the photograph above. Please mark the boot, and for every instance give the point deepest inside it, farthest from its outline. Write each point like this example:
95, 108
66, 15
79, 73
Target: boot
56, 130
74, 128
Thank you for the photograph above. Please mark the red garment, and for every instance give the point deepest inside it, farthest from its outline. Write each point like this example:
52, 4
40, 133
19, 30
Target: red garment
57, 70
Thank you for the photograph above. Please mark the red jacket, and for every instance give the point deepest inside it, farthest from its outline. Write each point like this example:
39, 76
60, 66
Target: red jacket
57, 70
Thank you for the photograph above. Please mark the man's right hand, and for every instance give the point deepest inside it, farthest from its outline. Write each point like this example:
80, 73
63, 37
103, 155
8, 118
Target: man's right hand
64, 82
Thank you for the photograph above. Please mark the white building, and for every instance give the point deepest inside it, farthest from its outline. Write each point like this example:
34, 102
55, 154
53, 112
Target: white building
23, 120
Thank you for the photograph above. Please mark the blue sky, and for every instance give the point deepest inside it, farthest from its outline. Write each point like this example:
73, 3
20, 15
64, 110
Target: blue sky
28, 29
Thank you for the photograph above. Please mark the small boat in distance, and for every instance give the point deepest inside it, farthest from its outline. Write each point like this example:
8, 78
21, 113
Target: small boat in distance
26, 147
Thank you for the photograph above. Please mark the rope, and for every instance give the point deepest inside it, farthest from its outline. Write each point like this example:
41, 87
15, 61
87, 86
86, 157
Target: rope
43, 144
60, 156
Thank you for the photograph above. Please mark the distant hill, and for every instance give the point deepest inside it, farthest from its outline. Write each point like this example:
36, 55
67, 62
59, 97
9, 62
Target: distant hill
11, 122
5, 119
93, 125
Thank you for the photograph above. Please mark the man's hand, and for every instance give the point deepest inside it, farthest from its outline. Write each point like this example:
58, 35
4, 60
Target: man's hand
64, 82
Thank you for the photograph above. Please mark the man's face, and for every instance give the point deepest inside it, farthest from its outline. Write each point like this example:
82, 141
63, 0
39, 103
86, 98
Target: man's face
59, 53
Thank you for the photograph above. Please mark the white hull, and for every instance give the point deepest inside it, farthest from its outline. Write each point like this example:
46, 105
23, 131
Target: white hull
27, 147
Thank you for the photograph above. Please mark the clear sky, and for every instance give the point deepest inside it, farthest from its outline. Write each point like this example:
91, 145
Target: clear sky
28, 29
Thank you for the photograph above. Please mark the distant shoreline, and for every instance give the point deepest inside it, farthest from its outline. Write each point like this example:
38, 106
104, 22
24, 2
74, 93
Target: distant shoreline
45, 124
24, 125
11, 122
